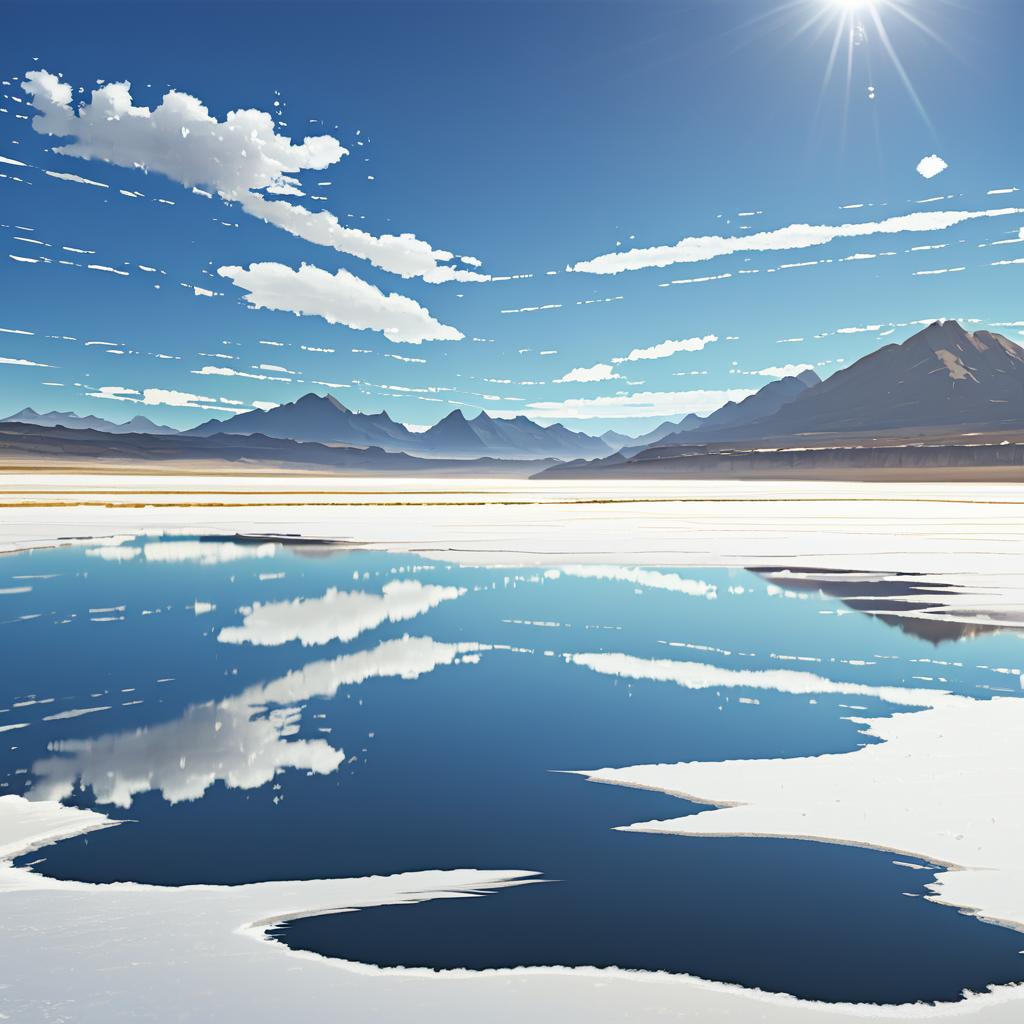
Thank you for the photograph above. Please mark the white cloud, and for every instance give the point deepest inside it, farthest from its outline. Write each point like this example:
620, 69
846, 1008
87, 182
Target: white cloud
338, 298
533, 309
337, 615
789, 370
604, 371
642, 404
931, 166
668, 348
160, 396
6, 361
238, 158
227, 371
698, 249
404, 254
74, 177
588, 374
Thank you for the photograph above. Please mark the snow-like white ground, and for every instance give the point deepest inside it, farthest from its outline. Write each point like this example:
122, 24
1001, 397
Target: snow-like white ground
944, 785
966, 534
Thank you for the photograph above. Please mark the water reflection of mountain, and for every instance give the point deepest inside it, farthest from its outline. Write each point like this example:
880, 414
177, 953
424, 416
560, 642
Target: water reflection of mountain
906, 601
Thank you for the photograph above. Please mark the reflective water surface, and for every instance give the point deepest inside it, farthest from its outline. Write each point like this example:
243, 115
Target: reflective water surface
257, 710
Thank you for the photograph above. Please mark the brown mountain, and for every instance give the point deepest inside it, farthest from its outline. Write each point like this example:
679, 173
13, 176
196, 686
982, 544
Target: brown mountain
942, 378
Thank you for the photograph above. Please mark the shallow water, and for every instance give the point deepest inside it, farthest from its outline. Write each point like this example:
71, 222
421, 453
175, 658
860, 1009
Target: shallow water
254, 712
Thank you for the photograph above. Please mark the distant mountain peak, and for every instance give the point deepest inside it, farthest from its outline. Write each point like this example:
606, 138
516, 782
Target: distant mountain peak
943, 377
312, 399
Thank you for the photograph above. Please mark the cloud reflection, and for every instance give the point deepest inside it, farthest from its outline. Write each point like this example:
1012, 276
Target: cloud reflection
337, 615
243, 741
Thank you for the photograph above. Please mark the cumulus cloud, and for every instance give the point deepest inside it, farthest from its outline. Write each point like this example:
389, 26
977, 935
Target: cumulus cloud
698, 249
931, 166
588, 374
239, 158
339, 298
642, 404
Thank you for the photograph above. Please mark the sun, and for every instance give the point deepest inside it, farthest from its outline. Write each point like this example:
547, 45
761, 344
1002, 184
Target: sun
856, 39
860, 25
853, 5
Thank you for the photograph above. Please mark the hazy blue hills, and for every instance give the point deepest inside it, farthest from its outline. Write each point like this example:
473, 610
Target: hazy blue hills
324, 419
136, 425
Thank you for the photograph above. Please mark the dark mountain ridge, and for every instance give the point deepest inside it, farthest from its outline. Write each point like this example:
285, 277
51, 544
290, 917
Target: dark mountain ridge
941, 378
38, 445
763, 402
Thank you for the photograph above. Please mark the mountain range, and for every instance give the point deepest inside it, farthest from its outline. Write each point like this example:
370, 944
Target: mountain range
324, 419
941, 384
39, 445
768, 400
136, 425
908, 404
944, 377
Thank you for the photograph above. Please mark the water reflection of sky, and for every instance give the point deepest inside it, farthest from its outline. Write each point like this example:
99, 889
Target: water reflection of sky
261, 712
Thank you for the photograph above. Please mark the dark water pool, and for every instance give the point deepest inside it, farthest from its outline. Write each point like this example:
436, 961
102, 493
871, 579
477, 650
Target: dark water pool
265, 711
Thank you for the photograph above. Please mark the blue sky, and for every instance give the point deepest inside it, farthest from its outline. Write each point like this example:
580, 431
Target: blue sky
578, 151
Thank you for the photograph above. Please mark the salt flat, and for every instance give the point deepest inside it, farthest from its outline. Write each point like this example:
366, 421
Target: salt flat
109, 952
969, 538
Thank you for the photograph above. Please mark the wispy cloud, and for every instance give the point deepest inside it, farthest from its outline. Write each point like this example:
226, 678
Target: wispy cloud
640, 405
160, 396
339, 298
606, 371
698, 249
667, 348
10, 361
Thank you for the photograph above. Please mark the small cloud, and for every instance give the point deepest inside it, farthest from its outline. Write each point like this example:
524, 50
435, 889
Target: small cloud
668, 348
5, 361
931, 166
789, 370
589, 374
